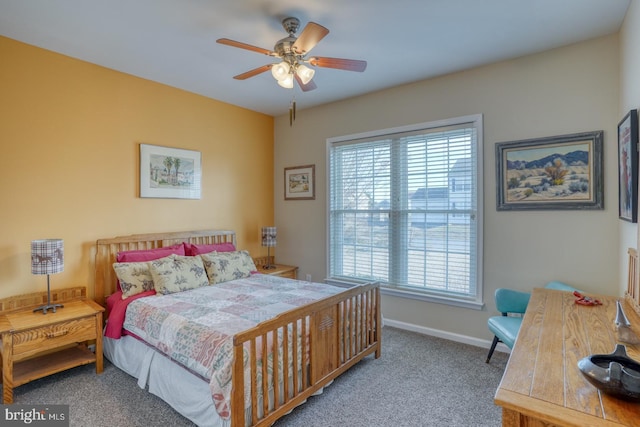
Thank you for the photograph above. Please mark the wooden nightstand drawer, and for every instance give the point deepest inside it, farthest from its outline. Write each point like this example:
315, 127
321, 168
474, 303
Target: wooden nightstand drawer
52, 336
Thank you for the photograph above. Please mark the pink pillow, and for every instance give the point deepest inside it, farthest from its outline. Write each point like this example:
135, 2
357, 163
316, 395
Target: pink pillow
150, 254
193, 250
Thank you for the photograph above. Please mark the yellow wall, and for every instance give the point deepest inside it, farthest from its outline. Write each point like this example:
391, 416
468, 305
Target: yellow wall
70, 134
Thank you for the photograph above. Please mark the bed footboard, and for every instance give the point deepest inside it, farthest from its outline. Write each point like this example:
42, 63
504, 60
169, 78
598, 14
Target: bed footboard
305, 349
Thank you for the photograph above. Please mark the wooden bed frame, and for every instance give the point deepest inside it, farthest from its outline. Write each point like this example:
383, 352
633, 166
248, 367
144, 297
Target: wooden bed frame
341, 330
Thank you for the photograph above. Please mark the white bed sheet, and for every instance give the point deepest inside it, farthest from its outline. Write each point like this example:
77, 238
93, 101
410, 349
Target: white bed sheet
185, 392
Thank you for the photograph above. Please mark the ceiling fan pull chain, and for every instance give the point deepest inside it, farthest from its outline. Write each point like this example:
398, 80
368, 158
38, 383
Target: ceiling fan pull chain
292, 111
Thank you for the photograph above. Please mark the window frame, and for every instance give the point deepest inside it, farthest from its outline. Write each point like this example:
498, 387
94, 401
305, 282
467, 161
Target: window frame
472, 302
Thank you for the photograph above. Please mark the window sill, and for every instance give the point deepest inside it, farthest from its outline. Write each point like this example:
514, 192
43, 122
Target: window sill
438, 299
434, 298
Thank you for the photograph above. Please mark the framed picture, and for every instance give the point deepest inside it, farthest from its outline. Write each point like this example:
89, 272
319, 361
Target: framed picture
171, 173
558, 172
300, 183
628, 167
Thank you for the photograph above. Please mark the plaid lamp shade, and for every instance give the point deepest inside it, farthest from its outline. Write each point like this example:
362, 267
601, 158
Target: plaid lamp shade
268, 236
47, 256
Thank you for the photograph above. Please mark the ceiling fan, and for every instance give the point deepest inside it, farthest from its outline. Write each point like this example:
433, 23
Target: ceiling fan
293, 52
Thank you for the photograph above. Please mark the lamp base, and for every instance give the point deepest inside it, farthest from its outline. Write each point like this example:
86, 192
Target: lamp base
46, 307
268, 266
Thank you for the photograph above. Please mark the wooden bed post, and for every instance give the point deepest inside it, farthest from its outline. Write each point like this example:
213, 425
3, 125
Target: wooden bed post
237, 391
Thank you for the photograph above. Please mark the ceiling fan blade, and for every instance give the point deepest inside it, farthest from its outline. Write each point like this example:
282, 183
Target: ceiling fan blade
246, 46
309, 37
338, 63
253, 72
305, 87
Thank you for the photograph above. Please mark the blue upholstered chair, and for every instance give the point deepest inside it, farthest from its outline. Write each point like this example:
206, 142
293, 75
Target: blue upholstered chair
505, 327
559, 286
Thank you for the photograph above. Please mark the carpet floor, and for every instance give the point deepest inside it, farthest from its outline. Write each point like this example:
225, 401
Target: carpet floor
418, 381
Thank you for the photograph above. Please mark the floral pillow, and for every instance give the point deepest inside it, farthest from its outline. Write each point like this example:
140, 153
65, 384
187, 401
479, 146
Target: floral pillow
177, 273
134, 277
225, 266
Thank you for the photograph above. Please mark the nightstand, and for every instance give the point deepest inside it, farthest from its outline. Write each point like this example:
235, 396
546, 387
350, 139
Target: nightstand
35, 345
288, 271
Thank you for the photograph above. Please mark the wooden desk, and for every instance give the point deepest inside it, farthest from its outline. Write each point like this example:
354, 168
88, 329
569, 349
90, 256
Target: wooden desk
542, 385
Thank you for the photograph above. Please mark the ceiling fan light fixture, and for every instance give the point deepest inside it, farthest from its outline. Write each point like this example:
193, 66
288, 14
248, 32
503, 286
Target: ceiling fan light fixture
287, 82
292, 53
280, 71
305, 73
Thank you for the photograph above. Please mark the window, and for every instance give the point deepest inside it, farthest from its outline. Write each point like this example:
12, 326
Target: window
395, 218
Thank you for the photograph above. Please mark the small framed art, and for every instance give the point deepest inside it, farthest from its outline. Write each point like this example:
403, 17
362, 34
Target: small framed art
628, 167
171, 173
299, 183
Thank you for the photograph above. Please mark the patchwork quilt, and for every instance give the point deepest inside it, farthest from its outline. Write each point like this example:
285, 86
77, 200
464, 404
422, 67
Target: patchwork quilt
195, 328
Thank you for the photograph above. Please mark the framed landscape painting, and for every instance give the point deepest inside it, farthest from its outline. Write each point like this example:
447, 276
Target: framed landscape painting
299, 183
559, 172
628, 167
171, 173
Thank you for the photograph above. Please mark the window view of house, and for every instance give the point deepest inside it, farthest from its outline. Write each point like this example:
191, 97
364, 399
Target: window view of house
403, 210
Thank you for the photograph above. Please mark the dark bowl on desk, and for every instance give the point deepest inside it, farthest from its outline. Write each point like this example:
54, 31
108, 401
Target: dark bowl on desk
616, 374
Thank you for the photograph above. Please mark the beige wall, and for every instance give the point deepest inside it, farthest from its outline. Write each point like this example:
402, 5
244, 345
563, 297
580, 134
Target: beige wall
567, 90
70, 132
629, 100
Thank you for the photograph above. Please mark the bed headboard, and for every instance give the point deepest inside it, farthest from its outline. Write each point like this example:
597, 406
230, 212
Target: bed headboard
107, 250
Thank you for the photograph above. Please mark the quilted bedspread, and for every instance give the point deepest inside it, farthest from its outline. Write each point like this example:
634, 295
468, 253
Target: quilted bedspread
195, 328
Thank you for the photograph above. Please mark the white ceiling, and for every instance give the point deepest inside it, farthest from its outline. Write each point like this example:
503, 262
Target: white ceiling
403, 41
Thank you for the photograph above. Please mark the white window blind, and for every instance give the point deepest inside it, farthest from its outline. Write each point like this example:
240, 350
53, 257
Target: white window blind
404, 209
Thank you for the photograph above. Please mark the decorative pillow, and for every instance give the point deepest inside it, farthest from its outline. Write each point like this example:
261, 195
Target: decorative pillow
193, 249
225, 266
150, 254
177, 273
133, 277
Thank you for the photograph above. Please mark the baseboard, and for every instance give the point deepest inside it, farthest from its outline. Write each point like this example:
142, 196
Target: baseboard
444, 334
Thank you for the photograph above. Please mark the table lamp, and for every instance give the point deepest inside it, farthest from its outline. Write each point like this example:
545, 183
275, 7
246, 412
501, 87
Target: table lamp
268, 240
47, 257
